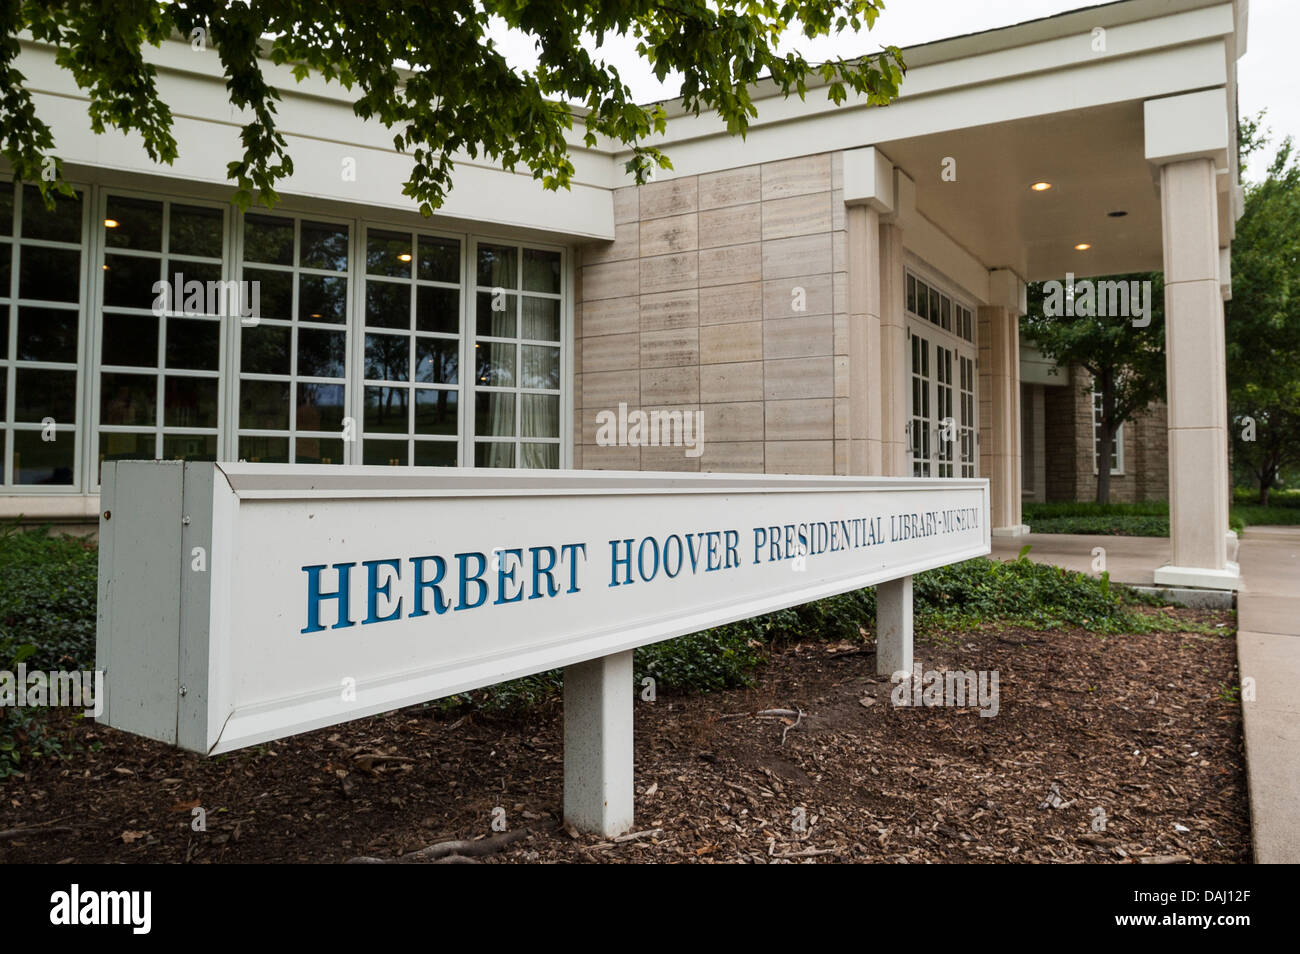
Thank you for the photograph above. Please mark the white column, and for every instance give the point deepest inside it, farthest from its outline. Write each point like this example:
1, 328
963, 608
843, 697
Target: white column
999, 378
894, 357
1195, 369
863, 223
598, 795
894, 627
1187, 139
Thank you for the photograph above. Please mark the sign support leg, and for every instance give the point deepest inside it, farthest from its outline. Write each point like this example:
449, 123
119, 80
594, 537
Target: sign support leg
598, 695
894, 627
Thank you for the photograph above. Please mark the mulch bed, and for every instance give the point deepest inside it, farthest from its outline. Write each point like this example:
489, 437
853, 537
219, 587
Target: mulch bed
1138, 727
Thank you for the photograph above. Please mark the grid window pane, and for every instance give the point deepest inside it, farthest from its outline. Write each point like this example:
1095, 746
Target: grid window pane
193, 344
282, 355
44, 462
54, 274
47, 334
196, 230
498, 266
437, 309
133, 223
189, 402
264, 405
541, 271
40, 393
320, 407
322, 298
386, 452
257, 449
388, 357
437, 360
386, 411
439, 259
436, 454
60, 224
389, 253
324, 246
436, 411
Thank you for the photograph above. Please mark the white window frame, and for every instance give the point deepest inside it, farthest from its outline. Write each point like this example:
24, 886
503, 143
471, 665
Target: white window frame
90, 326
95, 310
358, 361
962, 348
8, 397
564, 344
348, 328
1117, 469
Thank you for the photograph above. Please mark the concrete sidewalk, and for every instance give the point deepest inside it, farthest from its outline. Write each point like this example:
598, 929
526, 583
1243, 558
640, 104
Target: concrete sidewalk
1268, 651
1132, 560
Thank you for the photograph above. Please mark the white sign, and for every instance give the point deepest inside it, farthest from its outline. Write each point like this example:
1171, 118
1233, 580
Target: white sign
245, 602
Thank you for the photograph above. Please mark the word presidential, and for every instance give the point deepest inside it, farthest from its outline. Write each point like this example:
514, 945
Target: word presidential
437, 584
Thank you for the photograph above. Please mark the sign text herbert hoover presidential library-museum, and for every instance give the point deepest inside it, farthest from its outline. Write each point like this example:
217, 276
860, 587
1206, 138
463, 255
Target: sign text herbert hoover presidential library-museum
418, 586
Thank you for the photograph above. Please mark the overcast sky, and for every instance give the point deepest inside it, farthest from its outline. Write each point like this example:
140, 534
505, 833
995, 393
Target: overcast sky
1268, 74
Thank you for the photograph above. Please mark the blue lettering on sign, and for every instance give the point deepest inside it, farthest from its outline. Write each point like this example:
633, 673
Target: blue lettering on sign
421, 584
538, 572
315, 596
431, 592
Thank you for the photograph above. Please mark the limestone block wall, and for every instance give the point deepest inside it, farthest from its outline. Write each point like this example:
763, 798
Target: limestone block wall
722, 294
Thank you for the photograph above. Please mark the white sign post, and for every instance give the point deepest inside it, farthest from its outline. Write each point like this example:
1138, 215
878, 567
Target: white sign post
240, 603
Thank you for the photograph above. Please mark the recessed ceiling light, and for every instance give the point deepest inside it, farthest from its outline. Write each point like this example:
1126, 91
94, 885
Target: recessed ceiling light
110, 223
404, 257
1041, 186
1117, 214
1082, 247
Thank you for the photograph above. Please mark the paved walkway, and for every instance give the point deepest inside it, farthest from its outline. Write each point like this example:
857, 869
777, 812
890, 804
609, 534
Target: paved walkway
1268, 651
1131, 560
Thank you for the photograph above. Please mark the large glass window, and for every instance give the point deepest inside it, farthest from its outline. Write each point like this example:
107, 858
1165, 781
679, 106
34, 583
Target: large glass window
370, 343
293, 361
412, 357
163, 298
517, 356
942, 406
40, 334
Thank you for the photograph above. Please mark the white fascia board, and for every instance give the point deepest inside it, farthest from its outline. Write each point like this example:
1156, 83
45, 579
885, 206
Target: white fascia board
1142, 56
481, 193
177, 56
1100, 82
321, 133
